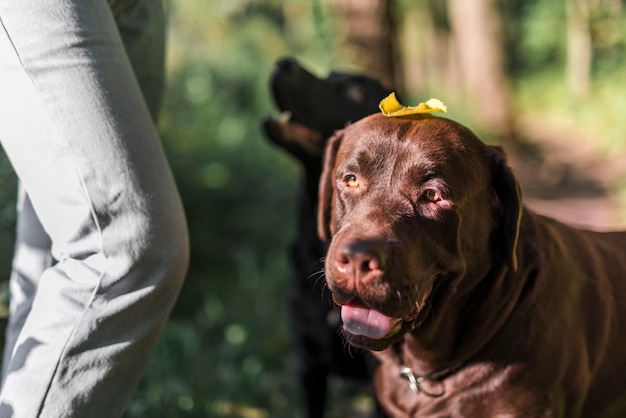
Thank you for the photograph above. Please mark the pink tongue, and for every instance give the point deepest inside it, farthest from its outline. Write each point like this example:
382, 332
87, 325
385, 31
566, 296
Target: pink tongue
359, 320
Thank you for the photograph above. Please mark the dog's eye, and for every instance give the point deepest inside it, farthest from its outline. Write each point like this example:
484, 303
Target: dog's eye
431, 196
352, 181
355, 93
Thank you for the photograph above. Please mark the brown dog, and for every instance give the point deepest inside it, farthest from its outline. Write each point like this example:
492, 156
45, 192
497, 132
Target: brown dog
476, 306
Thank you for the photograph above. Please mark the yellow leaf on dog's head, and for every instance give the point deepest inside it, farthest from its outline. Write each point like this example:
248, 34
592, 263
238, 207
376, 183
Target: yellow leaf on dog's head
392, 108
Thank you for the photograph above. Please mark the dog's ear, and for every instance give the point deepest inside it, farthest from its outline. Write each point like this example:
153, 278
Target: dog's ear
509, 194
325, 218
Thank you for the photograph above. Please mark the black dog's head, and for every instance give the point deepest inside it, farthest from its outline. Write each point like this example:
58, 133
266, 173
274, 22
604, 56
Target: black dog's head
313, 108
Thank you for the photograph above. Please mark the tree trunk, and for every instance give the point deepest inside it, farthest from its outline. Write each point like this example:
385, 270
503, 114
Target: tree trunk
476, 29
369, 38
579, 47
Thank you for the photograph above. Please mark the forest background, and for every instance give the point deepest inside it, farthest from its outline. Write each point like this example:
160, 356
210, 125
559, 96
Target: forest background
546, 79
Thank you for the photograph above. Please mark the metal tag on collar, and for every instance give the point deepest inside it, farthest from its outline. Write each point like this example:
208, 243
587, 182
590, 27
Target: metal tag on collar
424, 384
407, 373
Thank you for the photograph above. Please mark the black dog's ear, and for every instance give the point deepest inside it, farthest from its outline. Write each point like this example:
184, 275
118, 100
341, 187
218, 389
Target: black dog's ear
510, 195
325, 218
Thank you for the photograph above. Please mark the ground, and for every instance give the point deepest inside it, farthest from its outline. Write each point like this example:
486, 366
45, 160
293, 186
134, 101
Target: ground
565, 177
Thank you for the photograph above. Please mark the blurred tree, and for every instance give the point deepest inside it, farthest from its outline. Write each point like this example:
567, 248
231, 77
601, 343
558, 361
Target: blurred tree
476, 27
428, 49
370, 38
579, 47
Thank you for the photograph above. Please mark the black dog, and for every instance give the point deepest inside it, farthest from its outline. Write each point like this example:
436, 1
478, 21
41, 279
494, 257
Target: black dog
313, 109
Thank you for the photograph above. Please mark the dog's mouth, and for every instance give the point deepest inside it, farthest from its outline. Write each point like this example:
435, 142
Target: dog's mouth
290, 130
288, 121
360, 320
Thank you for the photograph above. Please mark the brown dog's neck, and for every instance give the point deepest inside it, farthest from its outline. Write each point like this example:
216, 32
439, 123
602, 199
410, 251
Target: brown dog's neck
462, 326
422, 360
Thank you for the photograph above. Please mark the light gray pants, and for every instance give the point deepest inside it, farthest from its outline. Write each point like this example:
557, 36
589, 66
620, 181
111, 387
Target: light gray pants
81, 138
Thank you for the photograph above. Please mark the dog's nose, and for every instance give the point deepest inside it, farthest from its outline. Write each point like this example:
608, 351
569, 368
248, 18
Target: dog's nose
360, 260
287, 65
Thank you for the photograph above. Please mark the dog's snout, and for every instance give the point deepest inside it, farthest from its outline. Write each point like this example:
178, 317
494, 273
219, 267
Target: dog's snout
288, 65
360, 260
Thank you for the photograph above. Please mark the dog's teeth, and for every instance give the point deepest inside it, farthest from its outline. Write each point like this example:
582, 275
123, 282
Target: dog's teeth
284, 117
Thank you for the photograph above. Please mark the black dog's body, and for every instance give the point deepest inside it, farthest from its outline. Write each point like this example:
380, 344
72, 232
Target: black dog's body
317, 108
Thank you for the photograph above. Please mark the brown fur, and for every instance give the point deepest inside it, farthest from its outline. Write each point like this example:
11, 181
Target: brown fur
513, 314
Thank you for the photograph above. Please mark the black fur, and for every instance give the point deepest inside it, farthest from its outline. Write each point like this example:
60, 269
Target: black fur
318, 107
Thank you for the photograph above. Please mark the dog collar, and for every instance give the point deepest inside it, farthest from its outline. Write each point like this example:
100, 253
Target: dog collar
431, 384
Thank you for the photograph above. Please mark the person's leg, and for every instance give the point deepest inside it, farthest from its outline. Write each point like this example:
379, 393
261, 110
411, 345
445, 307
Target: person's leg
142, 27
82, 142
30, 259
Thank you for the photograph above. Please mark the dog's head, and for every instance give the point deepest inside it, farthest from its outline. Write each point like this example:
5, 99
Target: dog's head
313, 108
411, 206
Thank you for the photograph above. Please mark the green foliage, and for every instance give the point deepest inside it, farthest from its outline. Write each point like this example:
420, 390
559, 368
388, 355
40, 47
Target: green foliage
541, 36
8, 193
226, 351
